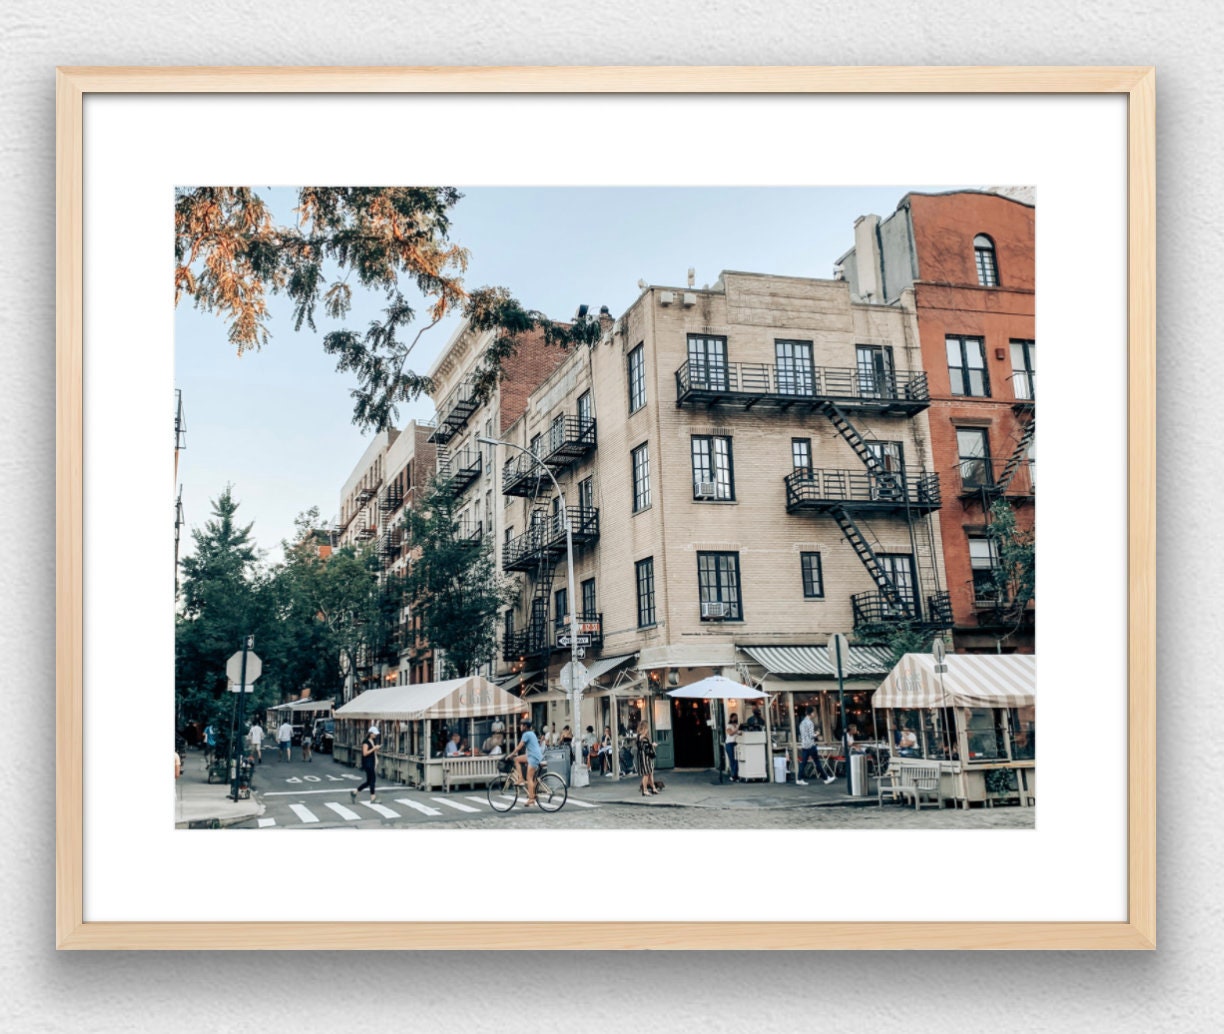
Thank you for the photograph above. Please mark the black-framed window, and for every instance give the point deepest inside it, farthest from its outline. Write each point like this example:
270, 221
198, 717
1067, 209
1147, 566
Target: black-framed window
560, 607
984, 259
876, 374
509, 631
984, 562
899, 567
801, 453
641, 477
509, 534
713, 471
556, 432
707, 357
813, 577
586, 493
718, 581
794, 367
645, 592
637, 378
585, 411
588, 597
1022, 359
973, 451
967, 366
534, 447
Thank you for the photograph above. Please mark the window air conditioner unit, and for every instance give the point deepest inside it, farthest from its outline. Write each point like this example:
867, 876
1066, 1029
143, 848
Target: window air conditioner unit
705, 490
689, 300
715, 611
666, 297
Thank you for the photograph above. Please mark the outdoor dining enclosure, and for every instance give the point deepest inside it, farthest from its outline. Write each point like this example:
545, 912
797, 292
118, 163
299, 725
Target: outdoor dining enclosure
414, 723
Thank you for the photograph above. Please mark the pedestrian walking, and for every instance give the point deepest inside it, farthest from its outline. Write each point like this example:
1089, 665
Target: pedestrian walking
256, 738
808, 750
369, 759
646, 759
284, 740
210, 743
307, 744
729, 743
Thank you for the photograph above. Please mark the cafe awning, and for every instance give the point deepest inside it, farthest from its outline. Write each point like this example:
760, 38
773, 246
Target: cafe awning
473, 697
972, 680
605, 665
296, 706
816, 660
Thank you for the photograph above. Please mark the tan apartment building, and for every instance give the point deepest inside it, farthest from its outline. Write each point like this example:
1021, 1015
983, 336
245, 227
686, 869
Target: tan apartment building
746, 471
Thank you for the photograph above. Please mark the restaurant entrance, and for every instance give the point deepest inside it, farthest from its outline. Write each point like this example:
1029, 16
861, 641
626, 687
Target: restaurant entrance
694, 739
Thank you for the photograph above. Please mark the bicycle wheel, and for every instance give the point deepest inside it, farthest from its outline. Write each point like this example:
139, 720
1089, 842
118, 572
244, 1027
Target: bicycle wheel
551, 792
503, 794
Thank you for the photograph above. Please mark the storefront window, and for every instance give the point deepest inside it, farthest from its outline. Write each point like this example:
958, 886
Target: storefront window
1023, 731
939, 733
985, 732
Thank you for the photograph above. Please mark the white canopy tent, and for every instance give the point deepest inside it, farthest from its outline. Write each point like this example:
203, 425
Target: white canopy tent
972, 680
473, 697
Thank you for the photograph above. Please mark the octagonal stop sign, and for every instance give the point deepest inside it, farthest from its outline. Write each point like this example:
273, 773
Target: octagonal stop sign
233, 668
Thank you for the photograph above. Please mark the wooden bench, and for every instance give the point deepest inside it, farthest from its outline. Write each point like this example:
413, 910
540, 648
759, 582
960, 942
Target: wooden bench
921, 781
475, 771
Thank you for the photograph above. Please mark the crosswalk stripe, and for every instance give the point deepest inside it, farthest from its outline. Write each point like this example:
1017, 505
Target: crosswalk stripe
345, 813
424, 809
265, 823
480, 800
303, 813
453, 804
580, 804
382, 810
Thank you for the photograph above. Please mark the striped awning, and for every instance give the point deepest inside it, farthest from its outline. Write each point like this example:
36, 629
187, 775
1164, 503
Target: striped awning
605, 665
972, 680
473, 697
305, 705
816, 660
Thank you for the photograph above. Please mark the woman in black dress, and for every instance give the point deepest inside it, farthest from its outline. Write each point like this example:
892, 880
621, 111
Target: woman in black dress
646, 759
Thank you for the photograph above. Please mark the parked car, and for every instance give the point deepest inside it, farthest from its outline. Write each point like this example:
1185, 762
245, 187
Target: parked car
324, 734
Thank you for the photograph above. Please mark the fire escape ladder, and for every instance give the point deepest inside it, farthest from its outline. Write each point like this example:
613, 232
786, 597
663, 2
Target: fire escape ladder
1016, 458
541, 599
848, 431
867, 555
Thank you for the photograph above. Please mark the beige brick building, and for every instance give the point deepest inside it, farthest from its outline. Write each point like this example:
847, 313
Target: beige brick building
746, 470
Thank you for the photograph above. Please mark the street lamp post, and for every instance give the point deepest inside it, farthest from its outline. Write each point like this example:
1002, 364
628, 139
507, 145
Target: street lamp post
578, 773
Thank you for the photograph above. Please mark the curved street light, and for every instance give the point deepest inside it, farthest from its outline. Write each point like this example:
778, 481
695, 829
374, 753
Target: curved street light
578, 772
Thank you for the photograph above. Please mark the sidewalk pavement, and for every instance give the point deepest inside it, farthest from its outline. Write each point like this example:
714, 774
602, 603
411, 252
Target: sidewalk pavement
701, 789
201, 805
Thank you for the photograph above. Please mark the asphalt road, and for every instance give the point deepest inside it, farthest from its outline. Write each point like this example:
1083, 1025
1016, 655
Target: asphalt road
316, 795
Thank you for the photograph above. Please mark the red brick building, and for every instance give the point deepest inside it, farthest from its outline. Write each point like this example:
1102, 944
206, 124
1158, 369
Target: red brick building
968, 258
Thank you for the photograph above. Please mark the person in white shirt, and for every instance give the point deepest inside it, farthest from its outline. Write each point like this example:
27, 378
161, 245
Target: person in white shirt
452, 746
284, 740
256, 738
809, 750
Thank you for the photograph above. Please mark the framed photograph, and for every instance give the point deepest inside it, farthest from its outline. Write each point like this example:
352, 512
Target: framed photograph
601, 463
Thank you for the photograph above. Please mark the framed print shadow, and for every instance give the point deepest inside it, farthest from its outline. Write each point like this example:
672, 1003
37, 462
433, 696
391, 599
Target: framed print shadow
598, 503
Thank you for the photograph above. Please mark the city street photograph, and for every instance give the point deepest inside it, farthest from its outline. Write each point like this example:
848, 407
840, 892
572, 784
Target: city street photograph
604, 508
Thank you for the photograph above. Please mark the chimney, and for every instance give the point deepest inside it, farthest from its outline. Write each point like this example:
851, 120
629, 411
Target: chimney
605, 319
692, 276
867, 258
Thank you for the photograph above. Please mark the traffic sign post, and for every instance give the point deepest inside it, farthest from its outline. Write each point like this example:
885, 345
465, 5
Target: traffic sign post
840, 646
243, 668
566, 641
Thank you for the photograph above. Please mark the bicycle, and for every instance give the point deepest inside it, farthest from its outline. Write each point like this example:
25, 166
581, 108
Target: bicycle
551, 791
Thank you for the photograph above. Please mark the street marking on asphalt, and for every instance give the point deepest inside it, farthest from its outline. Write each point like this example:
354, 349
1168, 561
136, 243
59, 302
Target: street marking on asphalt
480, 800
302, 793
580, 804
424, 809
452, 804
303, 813
345, 813
264, 823
382, 810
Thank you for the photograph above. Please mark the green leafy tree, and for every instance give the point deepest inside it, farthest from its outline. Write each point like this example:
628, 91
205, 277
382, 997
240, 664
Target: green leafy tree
224, 597
1015, 577
230, 255
453, 584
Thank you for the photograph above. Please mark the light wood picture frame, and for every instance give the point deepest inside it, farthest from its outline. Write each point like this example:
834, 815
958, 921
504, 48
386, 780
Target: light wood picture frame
1135, 84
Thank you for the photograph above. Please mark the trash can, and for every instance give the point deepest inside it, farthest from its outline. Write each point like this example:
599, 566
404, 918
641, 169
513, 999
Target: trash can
858, 775
779, 768
558, 760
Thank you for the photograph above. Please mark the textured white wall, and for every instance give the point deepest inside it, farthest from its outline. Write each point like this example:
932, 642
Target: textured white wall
1175, 989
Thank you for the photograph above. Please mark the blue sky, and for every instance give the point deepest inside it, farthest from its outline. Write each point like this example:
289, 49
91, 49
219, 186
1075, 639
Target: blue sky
276, 424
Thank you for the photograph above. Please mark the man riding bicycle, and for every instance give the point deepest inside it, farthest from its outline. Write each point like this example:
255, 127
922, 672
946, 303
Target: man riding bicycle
528, 756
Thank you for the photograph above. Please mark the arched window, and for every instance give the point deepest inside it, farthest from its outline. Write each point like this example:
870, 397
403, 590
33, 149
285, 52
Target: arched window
984, 256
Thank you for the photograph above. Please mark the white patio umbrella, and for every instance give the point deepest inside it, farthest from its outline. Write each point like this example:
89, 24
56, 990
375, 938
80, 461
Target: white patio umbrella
718, 687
